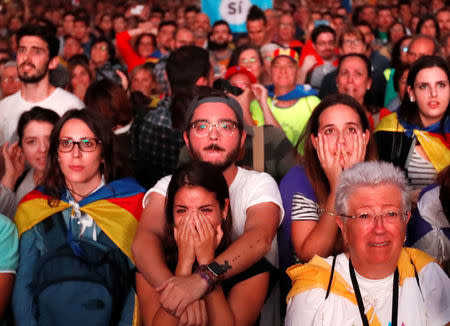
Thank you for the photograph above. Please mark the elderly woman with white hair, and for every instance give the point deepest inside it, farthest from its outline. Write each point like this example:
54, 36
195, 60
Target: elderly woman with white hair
375, 281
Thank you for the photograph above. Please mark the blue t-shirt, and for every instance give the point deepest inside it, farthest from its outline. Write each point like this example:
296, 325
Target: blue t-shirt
9, 246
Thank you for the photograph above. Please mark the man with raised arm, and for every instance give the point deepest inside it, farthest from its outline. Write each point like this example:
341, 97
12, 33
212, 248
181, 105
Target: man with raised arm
213, 133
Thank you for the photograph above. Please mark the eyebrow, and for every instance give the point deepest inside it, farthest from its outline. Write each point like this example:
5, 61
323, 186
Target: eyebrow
351, 123
203, 206
219, 120
81, 138
438, 81
32, 47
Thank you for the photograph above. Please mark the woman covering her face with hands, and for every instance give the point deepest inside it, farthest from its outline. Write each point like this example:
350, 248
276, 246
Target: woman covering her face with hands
198, 228
337, 136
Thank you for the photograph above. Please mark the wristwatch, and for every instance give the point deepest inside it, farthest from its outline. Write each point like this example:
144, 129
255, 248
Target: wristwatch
217, 270
212, 273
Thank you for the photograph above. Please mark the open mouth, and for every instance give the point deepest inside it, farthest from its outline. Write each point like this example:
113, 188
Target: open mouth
214, 147
379, 244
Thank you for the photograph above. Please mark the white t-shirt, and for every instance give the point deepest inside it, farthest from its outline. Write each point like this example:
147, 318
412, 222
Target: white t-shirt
429, 307
13, 106
248, 188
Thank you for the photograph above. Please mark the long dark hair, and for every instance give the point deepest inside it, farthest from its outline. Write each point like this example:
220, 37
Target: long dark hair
184, 67
410, 110
78, 60
54, 180
110, 100
199, 174
426, 18
311, 162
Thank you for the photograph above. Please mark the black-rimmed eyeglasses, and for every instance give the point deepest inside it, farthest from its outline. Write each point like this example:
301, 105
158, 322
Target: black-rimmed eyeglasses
66, 145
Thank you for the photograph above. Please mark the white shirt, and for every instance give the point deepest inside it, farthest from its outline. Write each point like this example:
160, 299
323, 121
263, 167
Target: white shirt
12, 107
248, 189
429, 307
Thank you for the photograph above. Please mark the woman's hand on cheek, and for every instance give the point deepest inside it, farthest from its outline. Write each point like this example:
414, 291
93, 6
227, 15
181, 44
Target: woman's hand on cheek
185, 243
358, 153
204, 239
330, 162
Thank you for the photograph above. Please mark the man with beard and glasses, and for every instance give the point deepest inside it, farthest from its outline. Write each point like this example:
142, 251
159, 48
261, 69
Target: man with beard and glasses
219, 47
37, 54
213, 133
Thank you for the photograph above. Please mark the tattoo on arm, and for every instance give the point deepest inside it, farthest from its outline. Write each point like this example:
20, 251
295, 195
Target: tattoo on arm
225, 266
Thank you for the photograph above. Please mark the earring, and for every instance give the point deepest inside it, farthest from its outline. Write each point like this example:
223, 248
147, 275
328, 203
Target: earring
59, 160
412, 99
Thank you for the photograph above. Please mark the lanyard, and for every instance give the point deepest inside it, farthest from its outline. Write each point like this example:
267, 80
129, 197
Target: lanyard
360, 301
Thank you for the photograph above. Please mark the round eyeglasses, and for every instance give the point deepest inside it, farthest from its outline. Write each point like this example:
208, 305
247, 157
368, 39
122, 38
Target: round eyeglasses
66, 145
203, 128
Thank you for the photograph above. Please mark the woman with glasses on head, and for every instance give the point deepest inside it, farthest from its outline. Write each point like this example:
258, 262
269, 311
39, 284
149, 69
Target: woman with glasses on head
78, 227
376, 281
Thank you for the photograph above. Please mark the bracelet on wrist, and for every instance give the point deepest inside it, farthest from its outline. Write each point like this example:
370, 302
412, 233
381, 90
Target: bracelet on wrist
323, 211
207, 274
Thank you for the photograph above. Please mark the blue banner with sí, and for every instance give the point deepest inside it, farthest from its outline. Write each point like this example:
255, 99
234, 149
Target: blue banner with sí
232, 11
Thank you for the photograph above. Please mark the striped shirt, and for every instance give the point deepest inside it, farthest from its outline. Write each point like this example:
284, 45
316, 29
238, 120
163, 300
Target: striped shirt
303, 208
421, 173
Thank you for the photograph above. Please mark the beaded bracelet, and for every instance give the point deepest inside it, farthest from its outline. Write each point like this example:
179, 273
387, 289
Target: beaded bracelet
208, 276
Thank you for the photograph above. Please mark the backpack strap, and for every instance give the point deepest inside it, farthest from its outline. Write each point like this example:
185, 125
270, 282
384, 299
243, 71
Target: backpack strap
54, 231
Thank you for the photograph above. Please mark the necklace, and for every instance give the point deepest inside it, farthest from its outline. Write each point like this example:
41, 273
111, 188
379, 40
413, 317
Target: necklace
360, 301
80, 195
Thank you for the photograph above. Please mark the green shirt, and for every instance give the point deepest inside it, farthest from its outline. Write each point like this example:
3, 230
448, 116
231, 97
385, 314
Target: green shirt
292, 119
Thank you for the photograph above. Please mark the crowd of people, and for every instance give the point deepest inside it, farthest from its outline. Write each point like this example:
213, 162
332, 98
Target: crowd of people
157, 169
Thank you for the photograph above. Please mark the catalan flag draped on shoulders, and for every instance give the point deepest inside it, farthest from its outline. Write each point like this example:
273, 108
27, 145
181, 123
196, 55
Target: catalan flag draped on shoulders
111, 211
395, 138
121, 199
